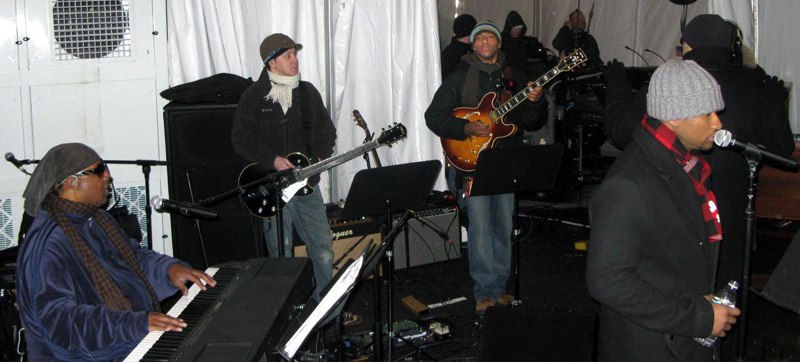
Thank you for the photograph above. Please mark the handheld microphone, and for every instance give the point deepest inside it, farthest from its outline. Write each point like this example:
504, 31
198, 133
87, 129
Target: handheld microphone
182, 208
660, 57
17, 163
724, 138
637, 53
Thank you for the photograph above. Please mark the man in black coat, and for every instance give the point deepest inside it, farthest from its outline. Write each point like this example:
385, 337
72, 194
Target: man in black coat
656, 231
459, 44
755, 110
574, 34
281, 114
521, 50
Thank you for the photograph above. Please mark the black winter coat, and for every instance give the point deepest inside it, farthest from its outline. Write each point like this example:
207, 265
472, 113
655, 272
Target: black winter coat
261, 130
650, 263
755, 110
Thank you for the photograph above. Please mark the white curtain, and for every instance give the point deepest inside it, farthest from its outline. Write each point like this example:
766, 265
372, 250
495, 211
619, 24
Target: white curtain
386, 65
385, 62
778, 49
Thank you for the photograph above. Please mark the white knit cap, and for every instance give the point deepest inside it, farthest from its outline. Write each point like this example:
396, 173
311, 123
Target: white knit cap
682, 89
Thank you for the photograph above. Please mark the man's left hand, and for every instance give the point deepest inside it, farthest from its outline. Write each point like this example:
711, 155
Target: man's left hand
179, 274
535, 94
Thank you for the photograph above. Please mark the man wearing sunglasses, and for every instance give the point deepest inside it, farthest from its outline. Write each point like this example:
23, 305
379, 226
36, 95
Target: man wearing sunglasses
85, 290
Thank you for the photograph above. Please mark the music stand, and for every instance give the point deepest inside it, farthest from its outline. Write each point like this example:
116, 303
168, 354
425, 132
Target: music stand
315, 315
511, 170
386, 190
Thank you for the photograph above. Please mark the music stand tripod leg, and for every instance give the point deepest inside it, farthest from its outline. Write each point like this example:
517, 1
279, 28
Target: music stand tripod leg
515, 241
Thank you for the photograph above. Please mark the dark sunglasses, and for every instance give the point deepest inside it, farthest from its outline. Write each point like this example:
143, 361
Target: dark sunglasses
98, 170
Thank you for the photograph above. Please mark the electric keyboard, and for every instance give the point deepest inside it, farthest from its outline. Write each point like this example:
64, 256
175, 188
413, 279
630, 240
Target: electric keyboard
240, 319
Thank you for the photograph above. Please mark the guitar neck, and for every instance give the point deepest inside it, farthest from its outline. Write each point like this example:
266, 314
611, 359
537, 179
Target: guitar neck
506, 107
331, 162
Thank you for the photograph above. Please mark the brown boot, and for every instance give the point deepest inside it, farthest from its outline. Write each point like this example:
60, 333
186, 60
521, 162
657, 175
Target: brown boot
482, 305
505, 299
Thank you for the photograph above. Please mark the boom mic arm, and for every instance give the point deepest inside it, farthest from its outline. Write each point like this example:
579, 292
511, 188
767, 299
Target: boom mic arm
182, 208
724, 138
17, 163
637, 53
660, 57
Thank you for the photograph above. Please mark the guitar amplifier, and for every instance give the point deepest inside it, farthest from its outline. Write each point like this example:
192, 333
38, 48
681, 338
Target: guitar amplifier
434, 235
349, 239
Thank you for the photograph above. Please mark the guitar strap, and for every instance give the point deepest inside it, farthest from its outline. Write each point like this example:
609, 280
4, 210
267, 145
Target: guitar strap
306, 116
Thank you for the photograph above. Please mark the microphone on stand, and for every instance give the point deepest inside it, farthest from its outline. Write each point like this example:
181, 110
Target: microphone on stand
660, 57
637, 53
182, 208
17, 163
724, 138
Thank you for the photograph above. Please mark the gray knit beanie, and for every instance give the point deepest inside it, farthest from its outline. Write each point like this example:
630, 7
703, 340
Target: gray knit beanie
682, 89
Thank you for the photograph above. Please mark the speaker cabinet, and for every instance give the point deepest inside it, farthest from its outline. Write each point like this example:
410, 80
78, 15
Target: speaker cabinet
426, 238
202, 163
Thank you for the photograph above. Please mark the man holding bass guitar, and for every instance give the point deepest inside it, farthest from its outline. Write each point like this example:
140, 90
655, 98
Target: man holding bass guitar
278, 115
478, 76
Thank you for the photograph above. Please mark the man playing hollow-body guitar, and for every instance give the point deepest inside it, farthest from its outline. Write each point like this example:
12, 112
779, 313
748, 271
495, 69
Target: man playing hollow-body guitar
490, 216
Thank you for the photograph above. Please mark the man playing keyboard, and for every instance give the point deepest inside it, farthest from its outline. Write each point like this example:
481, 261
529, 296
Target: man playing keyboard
85, 290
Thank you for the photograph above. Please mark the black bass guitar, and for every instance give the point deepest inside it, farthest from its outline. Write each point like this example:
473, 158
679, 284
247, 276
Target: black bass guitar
260, 200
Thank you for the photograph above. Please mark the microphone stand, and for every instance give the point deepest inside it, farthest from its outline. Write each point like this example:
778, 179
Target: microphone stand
146, 165
367, 139
275, 180
741, 343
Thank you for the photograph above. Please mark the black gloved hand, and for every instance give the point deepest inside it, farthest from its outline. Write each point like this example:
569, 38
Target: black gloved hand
775, 85
615, 69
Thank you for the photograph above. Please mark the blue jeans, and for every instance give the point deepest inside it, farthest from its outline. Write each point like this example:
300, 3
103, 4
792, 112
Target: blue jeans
308, 215
489, 240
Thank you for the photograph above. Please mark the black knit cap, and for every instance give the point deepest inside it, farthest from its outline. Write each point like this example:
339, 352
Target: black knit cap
463, 25
708, 30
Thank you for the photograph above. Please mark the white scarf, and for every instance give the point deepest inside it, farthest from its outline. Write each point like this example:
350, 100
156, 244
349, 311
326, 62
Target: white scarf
281, 91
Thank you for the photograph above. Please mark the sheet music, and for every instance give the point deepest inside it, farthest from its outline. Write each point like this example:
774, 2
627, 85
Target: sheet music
343, 285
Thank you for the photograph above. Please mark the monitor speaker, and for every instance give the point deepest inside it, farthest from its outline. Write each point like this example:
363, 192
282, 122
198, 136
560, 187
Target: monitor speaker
434, 235
783, 288
522, 334
202, 163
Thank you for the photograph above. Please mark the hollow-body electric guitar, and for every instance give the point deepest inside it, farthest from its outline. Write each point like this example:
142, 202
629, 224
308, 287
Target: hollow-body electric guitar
464, 154
260, 201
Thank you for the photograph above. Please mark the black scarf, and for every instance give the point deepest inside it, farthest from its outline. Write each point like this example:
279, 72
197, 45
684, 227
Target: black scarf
469, 93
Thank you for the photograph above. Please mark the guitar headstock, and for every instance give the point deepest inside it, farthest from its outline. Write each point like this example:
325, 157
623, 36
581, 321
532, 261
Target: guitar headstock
392, 135
360, 121
572, 60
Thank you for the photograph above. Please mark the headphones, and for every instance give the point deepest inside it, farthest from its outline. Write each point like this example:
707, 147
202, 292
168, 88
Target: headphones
736, 41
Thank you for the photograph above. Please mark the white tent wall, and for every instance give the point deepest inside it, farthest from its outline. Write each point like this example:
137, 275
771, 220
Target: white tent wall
778, 49
384, 57
386, 65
